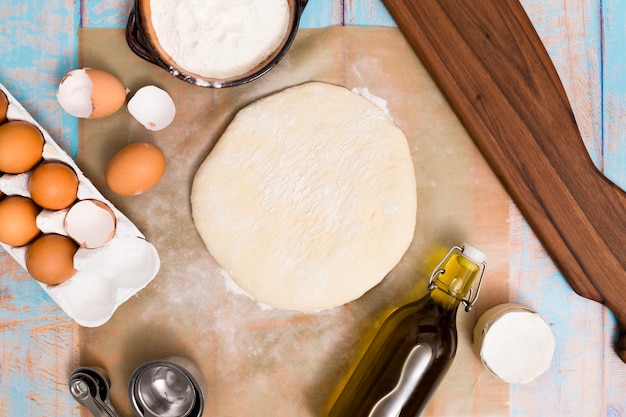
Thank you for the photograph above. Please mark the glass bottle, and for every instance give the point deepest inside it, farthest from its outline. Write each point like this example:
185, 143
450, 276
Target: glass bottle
415, 345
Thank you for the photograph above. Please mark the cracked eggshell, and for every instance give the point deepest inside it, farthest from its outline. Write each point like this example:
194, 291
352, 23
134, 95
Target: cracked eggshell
90, 93
152, 107
91, 223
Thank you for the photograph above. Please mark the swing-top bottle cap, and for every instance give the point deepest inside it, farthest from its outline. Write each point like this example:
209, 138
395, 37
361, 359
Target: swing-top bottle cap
473, 254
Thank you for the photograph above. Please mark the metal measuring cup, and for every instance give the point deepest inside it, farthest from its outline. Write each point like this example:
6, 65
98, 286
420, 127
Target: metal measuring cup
170, 387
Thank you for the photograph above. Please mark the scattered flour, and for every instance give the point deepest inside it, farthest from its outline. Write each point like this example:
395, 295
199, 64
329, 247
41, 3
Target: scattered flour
379, 101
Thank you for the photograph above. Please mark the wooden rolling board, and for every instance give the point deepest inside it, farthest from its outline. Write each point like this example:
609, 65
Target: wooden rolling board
268, 362
493, 68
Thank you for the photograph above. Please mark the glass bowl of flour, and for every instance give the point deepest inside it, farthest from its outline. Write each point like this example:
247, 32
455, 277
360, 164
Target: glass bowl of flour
214, 43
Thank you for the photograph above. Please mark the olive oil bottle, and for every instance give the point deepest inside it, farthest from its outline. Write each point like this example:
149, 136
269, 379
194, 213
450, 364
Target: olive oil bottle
414, 347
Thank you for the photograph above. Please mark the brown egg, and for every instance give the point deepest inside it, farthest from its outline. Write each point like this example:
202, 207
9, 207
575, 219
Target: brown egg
50, 259
135, 169
18, 220
90, 93
4, 107
53, 185
21, 146
108, 93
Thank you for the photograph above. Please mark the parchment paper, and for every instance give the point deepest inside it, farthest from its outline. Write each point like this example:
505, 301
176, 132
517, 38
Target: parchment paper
268, 362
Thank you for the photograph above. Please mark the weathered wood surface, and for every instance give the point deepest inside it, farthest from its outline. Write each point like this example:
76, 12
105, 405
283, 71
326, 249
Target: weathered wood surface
585, 40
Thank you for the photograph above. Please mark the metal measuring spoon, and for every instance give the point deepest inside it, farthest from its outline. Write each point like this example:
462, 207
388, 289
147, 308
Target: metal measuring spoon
90, 388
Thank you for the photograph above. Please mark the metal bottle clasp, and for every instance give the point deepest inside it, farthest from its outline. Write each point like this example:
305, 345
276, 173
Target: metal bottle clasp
471, 297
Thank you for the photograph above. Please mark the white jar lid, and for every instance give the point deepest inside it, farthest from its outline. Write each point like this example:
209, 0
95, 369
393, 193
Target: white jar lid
514, 343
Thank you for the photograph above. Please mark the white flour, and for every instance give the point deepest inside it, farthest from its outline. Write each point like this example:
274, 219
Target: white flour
219, 38
379, 101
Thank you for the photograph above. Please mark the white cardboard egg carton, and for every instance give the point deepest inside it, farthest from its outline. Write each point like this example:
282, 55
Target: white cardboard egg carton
105, 277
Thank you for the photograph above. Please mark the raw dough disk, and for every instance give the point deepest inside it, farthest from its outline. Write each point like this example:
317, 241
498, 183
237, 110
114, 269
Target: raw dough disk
309, 197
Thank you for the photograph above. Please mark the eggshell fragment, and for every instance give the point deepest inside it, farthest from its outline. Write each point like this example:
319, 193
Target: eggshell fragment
514, 343
91, 223
18, 220
135, 169
90, 93
21, 146
53, 185
152, 107
50, 259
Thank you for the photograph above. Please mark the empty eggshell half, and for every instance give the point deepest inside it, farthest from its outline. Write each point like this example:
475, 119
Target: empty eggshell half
152, 107
91, 223
90, 93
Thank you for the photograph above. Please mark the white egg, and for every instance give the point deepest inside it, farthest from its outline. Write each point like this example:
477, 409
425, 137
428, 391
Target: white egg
152, 107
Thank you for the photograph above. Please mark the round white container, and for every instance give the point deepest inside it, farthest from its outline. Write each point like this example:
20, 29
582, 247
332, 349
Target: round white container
514, 343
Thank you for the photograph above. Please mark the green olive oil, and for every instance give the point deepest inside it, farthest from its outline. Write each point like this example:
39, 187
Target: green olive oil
414, 347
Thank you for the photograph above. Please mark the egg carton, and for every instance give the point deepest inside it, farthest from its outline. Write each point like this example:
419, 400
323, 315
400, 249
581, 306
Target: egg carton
105, 277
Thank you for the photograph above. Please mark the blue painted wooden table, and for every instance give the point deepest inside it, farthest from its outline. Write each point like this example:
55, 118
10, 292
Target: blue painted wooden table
585, 38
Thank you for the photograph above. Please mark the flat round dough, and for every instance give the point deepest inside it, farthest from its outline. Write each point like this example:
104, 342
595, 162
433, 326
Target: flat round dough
309, 197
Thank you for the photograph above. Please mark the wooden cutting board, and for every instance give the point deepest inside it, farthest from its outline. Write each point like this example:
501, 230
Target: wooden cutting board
494, 70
